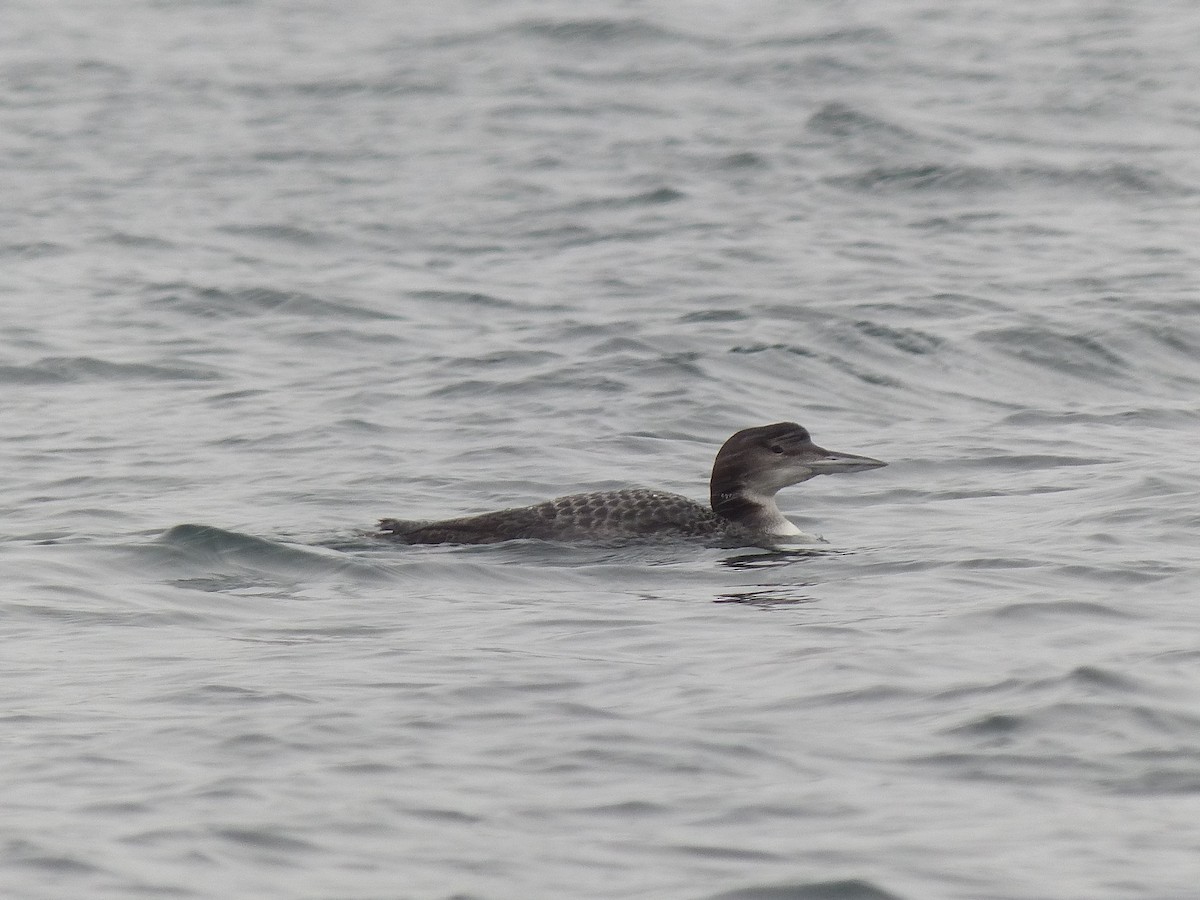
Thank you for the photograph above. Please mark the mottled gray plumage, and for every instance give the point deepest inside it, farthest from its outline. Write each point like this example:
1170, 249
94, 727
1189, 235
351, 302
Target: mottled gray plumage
597, 516
749, 469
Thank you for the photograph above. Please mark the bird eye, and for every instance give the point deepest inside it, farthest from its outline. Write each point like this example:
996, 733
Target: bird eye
775, 448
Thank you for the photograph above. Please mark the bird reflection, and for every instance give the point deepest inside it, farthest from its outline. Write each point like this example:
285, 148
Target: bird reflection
771, 559
770, 597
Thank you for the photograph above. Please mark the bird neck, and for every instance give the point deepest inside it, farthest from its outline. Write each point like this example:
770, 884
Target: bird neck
756, 511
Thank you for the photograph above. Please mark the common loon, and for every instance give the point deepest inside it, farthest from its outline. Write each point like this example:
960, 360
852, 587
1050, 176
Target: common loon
750, 468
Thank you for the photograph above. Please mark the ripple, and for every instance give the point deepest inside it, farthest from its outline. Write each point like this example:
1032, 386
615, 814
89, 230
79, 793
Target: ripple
599, 31
1105, 181
850, 889
220, 303
64, 370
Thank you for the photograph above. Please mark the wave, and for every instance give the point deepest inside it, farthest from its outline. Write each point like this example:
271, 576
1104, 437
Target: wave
70, 369
845, 889
1114, 180
225, 303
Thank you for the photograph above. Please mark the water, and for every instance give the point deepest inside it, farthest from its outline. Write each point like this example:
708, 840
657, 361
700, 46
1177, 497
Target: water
273, 270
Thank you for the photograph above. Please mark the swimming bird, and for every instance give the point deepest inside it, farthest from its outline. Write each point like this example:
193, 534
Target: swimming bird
750, 468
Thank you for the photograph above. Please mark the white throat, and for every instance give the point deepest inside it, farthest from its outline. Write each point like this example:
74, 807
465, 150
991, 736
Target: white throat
770, 520
768, 517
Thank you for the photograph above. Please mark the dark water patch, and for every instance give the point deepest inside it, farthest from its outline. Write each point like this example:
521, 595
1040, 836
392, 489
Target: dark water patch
54, 864
1161, 770
1095, 677
73, 369
632, 809
842, 120
361, 426
655, 197
446, 815
867, 376
762, 347
709, 851
871, 138
33, 250
1115, 181
25, 720
1180, 777
1175, 339
38, 373
743, 160
266, 839
715, 315
855, 35
850, 889
1034, 613
991, 725
841, 363
920, 179
219, 303
51, 73
612, 346
600, 32
138, 241
276, 231
906, 340
1120, 179
1109, 719
1058, 352
1040, 766
227, 397
982, 223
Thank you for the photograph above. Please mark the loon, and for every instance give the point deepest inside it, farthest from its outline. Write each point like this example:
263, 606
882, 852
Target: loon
750, 468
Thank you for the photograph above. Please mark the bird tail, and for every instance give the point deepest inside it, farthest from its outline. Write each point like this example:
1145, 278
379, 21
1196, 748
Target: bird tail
396, 529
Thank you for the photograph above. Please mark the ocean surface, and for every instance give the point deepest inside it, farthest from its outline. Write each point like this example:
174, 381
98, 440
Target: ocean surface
273, 269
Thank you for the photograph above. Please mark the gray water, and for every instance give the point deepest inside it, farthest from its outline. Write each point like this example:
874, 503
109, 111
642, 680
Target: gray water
272, 270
